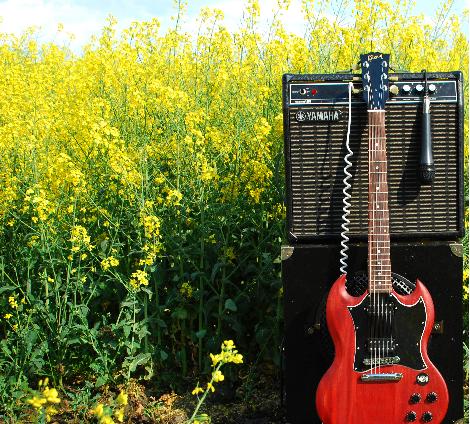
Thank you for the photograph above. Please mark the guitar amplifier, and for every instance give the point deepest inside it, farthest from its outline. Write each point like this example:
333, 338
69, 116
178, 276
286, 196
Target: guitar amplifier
315, 129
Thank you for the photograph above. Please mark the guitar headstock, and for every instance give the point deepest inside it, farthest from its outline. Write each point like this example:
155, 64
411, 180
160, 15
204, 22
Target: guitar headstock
375, 79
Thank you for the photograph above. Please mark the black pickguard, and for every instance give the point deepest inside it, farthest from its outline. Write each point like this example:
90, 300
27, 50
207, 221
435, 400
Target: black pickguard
407, 327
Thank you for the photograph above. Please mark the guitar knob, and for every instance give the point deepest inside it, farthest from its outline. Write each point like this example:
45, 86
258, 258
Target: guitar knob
427, 416
410, 416
415, 398
394, 89
431, 397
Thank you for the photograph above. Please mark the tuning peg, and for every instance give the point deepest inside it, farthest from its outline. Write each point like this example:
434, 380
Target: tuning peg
394, 89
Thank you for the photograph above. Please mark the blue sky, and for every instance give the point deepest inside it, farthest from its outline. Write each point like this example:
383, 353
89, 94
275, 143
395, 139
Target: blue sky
86, 17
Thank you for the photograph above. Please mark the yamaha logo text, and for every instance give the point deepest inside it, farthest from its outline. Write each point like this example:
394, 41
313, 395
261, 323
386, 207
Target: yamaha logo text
318, 115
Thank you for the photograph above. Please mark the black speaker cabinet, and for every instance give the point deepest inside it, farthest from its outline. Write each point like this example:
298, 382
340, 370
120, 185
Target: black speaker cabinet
308, 271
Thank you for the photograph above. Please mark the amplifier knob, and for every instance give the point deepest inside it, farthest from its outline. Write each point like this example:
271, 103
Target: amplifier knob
410, 416
419, 88
393, 89
406, 88
303, 91
432, 88
427, 416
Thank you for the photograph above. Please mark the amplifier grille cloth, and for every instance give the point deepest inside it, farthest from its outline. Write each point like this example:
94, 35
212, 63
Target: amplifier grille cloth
317, 161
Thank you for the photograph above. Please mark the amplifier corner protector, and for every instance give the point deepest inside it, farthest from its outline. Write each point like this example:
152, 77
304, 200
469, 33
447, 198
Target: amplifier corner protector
286, 252
456, 249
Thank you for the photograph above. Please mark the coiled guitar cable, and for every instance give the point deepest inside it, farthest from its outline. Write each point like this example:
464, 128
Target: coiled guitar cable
347, 195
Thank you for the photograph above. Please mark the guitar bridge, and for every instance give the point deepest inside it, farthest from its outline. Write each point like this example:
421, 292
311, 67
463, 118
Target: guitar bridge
371, 378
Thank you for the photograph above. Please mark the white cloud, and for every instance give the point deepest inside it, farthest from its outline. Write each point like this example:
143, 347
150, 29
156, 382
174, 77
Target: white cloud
82, 21
233, 10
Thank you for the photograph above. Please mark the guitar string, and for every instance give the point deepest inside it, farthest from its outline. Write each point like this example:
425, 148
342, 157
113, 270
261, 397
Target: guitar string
371, 312
374, 222
372, 274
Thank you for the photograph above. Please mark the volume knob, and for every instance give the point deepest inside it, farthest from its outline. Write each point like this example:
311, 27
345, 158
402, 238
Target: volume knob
415, 398
427, 416
406, 88
431, 397
410, 416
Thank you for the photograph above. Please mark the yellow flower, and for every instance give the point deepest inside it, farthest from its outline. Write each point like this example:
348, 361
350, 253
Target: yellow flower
7, 316
139, 278
98, 410
50, 410
218, 376
210, 387
51, 395
37, 402
186, 289
197, 390
119, 414
109, 262
12, 302
122, 398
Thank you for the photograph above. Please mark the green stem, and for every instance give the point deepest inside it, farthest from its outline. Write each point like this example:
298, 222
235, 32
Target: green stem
221, 304
203, 398
201, 283
146, 339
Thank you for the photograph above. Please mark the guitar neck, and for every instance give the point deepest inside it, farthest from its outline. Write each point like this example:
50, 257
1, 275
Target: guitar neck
379, 231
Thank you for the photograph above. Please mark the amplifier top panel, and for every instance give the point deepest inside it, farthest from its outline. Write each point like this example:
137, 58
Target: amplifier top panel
333, 88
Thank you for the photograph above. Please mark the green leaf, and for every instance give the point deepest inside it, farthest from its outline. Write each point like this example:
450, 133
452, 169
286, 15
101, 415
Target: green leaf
101, 380
127, 330
201, 333
180, 313
163, 355
230, 305
161, 323
7, 288
140, 359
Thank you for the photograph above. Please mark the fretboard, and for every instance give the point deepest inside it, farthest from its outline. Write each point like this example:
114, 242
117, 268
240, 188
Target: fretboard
379, 237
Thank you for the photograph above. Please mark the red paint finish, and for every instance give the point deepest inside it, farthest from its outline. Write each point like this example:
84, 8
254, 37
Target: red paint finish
342, 398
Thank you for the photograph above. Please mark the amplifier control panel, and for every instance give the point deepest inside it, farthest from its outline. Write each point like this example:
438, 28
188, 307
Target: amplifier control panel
412, 91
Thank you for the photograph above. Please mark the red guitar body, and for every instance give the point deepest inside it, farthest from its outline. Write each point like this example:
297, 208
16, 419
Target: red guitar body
343, 398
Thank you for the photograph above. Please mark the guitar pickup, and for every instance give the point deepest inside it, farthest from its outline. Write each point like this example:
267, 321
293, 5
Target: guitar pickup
381, 345
382, 361
371, 378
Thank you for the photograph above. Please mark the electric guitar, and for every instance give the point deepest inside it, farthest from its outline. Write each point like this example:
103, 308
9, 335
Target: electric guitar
381, 373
